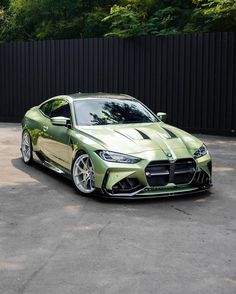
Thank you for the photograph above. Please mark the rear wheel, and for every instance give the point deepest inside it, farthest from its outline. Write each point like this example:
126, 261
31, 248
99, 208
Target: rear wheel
26, 148
83, 174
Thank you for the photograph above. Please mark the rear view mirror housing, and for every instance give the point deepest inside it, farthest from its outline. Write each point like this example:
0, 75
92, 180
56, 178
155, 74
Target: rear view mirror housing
162, 116
61, 121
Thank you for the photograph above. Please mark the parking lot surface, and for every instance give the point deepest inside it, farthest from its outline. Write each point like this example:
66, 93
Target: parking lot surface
52, 240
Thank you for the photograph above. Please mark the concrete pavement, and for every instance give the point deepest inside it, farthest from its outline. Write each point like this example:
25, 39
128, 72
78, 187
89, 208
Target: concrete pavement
52, 240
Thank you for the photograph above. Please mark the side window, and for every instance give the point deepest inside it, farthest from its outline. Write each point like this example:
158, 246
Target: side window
46, 108
60, 108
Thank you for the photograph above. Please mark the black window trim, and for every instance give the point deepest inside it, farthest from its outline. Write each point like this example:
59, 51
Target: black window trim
43, 105
52, 100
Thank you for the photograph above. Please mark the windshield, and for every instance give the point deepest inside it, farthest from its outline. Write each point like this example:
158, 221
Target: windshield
101, 111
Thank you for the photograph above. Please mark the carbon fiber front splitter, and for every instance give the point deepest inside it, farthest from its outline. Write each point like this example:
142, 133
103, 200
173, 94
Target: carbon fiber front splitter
152, 196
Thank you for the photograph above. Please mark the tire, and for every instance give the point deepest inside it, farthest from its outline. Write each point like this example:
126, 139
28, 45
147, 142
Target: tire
26, 148
83, 174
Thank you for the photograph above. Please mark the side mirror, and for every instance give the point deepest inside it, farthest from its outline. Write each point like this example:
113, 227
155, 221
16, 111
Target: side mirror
162, 116
61, 121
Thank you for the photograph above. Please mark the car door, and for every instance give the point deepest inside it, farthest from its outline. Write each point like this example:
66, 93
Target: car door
43, 140
55, 140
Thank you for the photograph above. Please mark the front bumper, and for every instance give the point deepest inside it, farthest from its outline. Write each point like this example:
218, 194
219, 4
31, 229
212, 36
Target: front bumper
130, 181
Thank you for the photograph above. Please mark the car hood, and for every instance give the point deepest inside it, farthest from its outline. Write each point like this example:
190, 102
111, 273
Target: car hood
139, 138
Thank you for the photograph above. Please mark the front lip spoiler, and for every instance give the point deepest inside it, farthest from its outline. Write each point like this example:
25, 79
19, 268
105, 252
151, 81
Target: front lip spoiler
142, 197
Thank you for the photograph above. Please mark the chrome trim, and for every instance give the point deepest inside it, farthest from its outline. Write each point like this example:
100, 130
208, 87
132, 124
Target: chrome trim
160, 174
148, 174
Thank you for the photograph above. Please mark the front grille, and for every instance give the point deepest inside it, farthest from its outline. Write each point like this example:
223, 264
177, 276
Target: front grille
184, 171
158, 173
179, 172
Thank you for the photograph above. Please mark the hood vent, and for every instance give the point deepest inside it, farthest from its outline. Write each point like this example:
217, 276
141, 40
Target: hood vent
145, 137
172, 135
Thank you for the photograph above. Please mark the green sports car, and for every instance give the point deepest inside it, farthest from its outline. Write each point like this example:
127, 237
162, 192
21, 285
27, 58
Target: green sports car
114, 146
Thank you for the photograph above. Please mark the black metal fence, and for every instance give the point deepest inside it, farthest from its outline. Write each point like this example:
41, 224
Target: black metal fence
192, 77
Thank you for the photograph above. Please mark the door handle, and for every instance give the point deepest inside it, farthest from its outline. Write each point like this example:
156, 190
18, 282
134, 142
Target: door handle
45, 128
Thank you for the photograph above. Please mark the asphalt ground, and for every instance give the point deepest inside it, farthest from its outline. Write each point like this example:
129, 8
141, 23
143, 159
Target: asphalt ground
52, 240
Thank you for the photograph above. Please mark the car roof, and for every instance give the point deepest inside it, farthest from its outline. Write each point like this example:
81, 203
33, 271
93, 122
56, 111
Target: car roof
99, 95
77, 96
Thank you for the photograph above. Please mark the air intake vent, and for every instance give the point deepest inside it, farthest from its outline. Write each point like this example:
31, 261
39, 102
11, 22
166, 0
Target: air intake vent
127, 185
202, 179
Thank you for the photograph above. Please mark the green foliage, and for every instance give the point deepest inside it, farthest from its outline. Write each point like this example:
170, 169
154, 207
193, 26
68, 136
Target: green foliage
94, 26
218, 15
53, 19
57, 19
4, 3
37, 19
2, 16
169, 20
125, 21
129, 20
149, 17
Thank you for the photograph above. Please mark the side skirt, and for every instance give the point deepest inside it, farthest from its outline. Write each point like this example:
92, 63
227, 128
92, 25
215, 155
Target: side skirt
39, 158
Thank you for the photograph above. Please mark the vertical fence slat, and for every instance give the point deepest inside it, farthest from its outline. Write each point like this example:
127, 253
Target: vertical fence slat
191, 76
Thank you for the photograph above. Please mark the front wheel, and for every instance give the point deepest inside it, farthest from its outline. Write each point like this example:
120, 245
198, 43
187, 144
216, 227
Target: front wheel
83, 174
26, 148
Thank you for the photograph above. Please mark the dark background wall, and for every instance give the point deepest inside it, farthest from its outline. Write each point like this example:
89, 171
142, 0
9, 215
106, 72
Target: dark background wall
191, 77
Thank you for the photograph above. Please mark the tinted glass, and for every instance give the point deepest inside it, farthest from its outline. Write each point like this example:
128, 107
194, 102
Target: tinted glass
60, 108
111, 111
46, 108
56, 107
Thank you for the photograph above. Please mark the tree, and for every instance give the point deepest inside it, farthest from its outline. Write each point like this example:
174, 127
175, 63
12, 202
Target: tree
125, 21
216, 15
94, 26
38, 19
4, 3
170, 17
149, 17
60, 19
54, 19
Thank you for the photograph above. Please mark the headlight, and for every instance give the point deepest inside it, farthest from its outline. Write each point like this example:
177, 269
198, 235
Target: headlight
201, 152
117, 157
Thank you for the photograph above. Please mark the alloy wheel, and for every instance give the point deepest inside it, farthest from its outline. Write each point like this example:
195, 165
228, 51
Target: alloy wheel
83, 174
26, 147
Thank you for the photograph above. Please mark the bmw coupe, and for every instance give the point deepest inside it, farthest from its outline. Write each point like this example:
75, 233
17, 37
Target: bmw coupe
114, 146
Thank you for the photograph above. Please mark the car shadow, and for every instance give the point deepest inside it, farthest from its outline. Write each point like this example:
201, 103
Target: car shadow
46, 176
43, 174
